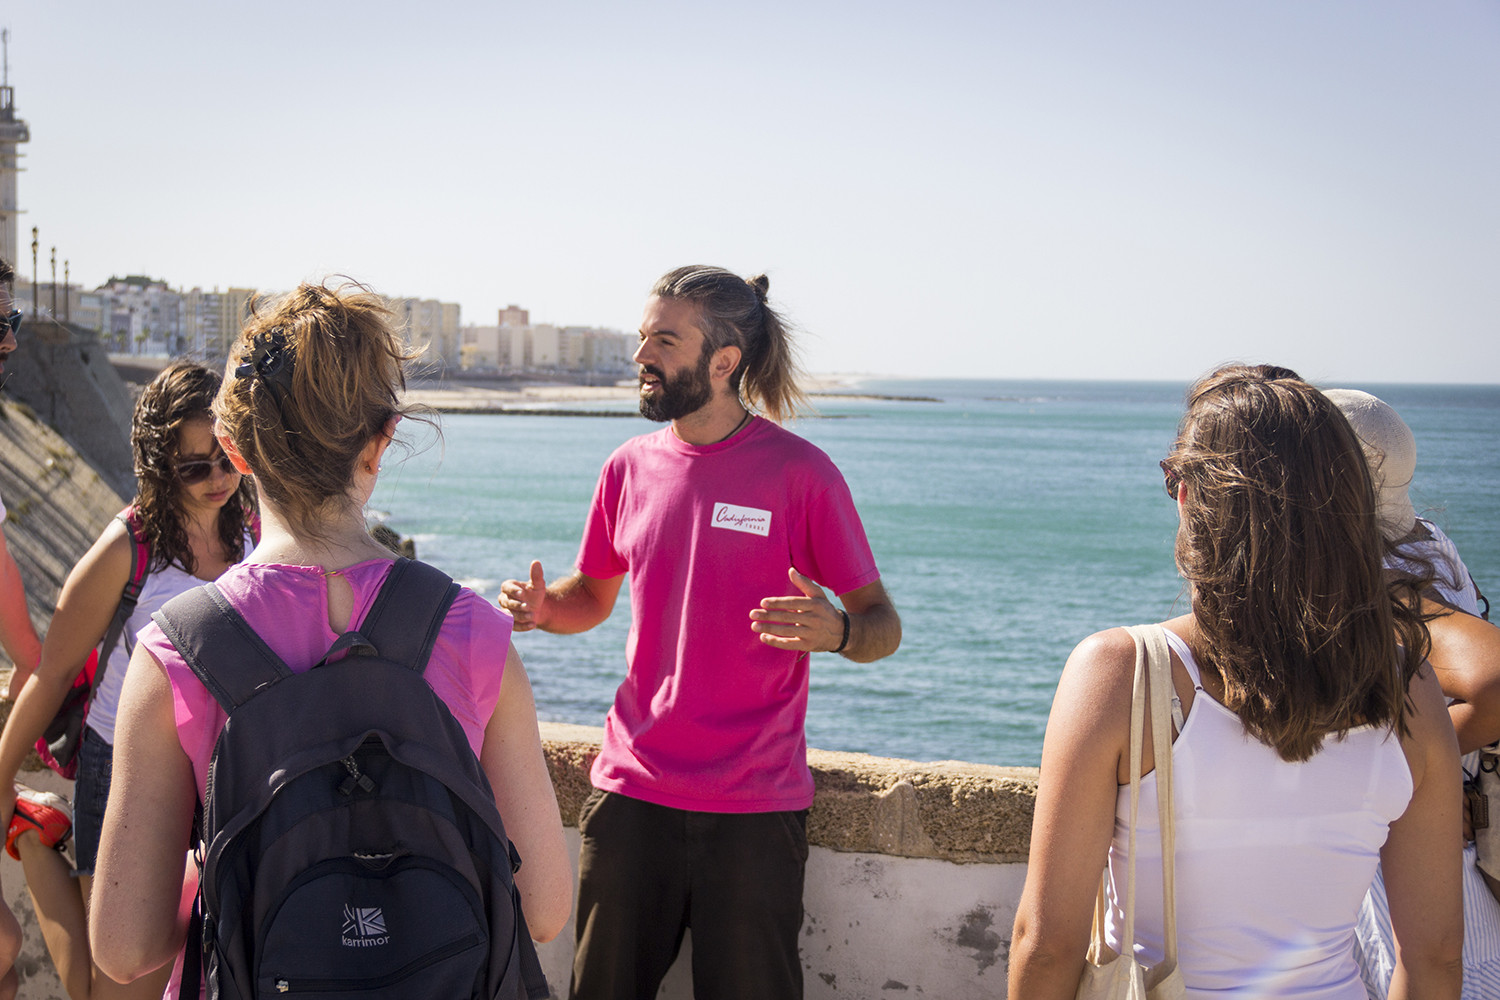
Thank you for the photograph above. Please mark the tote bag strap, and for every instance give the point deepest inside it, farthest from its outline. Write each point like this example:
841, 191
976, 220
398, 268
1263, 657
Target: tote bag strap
1137, 738
1153, 653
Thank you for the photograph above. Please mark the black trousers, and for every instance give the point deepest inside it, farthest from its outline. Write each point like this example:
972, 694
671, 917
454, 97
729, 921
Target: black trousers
647, 873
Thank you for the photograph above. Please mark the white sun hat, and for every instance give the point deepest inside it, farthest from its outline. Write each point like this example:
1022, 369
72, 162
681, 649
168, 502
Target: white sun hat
1390, 450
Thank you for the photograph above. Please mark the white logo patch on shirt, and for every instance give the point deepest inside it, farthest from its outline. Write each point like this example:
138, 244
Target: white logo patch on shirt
747, 519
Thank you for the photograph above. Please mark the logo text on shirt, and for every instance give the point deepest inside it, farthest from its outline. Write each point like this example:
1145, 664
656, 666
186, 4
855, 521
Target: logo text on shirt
736, 518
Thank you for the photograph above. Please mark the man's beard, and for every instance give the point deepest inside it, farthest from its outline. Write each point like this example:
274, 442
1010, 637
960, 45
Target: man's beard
678, 395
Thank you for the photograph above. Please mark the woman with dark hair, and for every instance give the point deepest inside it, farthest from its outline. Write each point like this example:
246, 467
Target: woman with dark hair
311, 408
1313, 742
191, 511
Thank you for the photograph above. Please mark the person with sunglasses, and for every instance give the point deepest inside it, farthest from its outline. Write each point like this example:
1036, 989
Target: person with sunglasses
194, 512
10, 318
1312, 740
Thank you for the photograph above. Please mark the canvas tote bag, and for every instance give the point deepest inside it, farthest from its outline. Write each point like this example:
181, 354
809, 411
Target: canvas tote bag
1108, 975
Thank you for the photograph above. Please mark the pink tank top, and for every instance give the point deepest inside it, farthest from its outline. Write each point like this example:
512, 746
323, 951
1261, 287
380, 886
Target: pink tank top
288, 607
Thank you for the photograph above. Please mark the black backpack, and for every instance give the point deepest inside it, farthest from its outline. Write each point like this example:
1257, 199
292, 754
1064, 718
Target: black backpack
351, 846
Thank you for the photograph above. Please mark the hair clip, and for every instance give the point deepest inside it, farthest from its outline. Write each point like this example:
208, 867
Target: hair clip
271, 359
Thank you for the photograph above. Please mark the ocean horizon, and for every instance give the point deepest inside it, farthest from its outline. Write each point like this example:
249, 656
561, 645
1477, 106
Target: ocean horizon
1010, 519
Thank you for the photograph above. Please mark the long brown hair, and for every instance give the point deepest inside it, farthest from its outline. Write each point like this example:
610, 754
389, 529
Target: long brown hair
1280, 543
733, 312
183, 392
314, 375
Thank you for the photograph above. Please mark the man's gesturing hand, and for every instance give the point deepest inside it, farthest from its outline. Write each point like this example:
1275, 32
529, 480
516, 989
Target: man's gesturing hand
809, 623
524, 600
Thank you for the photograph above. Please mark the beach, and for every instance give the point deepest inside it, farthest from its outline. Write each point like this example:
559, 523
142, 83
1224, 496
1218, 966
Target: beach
515, 396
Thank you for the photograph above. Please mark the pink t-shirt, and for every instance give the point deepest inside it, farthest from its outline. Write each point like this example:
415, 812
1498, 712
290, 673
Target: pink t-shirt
287, 606
709, 718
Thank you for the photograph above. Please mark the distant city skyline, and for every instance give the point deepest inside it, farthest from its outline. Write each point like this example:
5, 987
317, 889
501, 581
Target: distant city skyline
996, 189
147, 317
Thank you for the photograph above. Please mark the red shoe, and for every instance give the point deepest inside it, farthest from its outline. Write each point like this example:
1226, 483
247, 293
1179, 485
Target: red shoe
49, 815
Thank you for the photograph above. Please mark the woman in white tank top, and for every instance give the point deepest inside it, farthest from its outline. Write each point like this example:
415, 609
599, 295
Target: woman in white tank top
1312, 746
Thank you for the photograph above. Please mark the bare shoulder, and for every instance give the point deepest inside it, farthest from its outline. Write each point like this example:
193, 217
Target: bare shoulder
1104, 651
108, 560
1099, 673
115, 539
1089, 725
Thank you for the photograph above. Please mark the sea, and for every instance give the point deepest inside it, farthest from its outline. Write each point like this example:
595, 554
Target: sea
1010, 519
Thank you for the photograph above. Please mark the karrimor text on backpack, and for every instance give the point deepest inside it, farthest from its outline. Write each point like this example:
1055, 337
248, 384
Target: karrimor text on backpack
351, 845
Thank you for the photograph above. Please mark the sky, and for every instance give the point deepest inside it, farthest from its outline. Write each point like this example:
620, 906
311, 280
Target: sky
1041, 189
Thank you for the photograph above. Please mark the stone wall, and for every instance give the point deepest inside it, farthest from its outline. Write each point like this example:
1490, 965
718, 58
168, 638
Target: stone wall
947, 811
913, 874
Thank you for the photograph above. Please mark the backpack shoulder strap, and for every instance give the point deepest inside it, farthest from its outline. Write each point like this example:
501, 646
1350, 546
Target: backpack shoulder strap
226, 654
404, 622
140, 551
140, 562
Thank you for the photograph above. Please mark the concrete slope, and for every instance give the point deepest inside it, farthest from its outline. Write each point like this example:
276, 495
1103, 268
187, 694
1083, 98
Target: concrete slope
63, 373
57, 503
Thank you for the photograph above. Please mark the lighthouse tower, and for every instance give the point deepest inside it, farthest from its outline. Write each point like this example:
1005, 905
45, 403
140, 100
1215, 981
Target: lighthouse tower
13, 132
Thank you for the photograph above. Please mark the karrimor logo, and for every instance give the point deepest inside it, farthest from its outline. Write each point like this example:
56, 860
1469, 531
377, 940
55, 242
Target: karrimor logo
364, 927
747, 519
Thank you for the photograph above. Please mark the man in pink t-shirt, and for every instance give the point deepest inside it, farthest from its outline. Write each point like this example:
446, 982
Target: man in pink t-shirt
730, 527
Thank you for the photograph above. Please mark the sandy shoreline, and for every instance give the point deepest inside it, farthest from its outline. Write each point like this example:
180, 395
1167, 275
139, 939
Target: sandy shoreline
499, 398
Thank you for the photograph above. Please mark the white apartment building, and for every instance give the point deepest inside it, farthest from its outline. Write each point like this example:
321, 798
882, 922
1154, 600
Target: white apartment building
543, 346
40, 299
433, 326
479, 347
609, 351
141, 315
546, 347
212, 320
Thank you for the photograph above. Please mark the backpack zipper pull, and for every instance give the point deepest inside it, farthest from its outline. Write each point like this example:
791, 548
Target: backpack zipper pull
356, 779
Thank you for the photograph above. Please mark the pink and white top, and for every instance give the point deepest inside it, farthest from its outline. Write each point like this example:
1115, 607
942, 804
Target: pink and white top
287, 606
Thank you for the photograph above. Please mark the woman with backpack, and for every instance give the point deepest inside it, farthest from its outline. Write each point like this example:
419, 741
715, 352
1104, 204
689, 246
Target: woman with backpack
190, 521
309, 407
1312, 739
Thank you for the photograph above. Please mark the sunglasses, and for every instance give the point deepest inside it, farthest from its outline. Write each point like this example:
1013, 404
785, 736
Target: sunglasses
199, 469
1170, 480
14, 319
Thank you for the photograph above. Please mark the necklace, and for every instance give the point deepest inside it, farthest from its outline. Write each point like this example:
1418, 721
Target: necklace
743, 421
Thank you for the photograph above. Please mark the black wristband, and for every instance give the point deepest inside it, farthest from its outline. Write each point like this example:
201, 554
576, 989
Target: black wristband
845, 641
